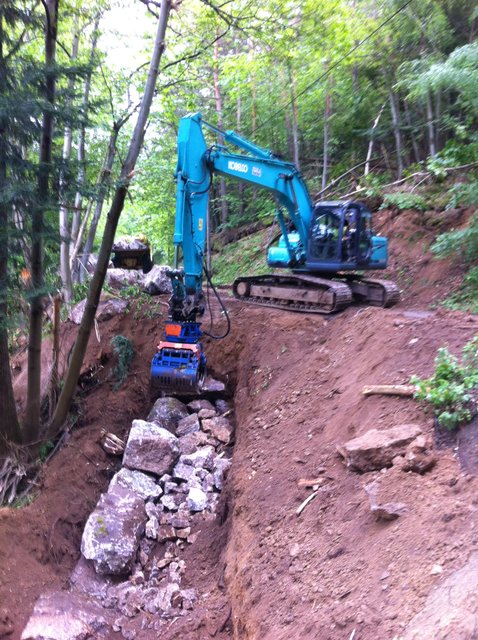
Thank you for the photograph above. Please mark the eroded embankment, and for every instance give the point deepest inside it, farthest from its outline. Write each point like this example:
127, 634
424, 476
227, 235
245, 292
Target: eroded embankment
336, 571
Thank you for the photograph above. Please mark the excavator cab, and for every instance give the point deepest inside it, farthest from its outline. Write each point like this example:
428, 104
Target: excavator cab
341, 239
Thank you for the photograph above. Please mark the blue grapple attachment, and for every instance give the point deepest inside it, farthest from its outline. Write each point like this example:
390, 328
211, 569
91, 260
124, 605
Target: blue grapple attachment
179, 366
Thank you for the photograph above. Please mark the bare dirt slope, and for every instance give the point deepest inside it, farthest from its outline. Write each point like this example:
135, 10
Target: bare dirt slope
333, 572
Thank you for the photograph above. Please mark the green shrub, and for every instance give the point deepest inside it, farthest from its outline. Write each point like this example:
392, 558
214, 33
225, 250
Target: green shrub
450, 390
404, 200
124, 351
463, 242
465, 194
466, 297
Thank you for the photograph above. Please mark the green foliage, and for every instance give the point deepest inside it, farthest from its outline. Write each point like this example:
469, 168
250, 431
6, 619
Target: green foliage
451, 388
463, 242
465, 194
466, 297
123, 348
454, 154
404, 200
243, 258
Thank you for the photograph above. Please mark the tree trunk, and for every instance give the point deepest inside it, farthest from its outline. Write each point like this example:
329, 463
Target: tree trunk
240, 185
396, 132
295, 129
102, 186
76, 222
65, 271
218, 96
430, 128
32, 412
327, 114
10, 429
96, 285
416, 150
372, 140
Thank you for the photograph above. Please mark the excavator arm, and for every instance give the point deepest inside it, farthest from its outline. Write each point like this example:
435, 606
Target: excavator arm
179, 365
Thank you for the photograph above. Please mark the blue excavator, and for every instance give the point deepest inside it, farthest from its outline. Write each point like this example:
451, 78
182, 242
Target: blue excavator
324, 247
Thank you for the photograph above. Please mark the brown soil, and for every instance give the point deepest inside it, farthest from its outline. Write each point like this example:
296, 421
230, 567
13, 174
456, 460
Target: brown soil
296, 379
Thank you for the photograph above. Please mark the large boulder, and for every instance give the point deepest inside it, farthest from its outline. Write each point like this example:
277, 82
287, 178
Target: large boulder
377, 449
157, 281
142, 484
151, 448
107, 308
167, 412
61, 615
118, 278
113, 530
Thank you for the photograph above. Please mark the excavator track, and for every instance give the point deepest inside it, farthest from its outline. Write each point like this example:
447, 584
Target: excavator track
294, 293
377, 293
312, 294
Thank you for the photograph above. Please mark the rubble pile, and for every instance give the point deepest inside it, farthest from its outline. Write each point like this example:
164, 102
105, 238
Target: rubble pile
174, 467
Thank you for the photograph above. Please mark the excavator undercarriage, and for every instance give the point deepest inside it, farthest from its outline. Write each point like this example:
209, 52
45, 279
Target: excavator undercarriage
314, 294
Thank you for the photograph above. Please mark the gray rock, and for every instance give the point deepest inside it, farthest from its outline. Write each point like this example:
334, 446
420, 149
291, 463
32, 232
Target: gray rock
187, 425
190, 443
152, 528
451, 609
383, 510
157, 281
138, 482
107, 308
180, 520
220, 428
377, 449
213, 386
129, 244
85, 579
112, 531
204, 414
118, 278
172, 501
153, 510
220, 469
167, 412
151, 448
62, 615
197, 499
183, 471
197, 405
222, 406
203, 457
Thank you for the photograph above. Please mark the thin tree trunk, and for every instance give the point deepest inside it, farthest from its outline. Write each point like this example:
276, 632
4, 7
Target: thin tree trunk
396, 132
372, 140
438, 108
32, 412
65, 271
102, 186
416, 150
240, 185
218, 96
295, 128
327, 114
10, 429
430, 128
96, 285
76, 223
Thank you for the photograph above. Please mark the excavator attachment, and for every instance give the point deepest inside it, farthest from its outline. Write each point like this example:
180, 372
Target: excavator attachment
179, 366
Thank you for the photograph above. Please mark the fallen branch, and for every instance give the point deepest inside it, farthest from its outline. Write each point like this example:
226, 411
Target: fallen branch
306, 502
406, 390
310, 482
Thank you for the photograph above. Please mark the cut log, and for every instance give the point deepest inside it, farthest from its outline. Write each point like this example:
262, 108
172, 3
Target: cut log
406, 390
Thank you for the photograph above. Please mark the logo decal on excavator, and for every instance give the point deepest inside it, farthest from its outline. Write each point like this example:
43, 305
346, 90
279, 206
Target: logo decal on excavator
257, 171
237, 166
